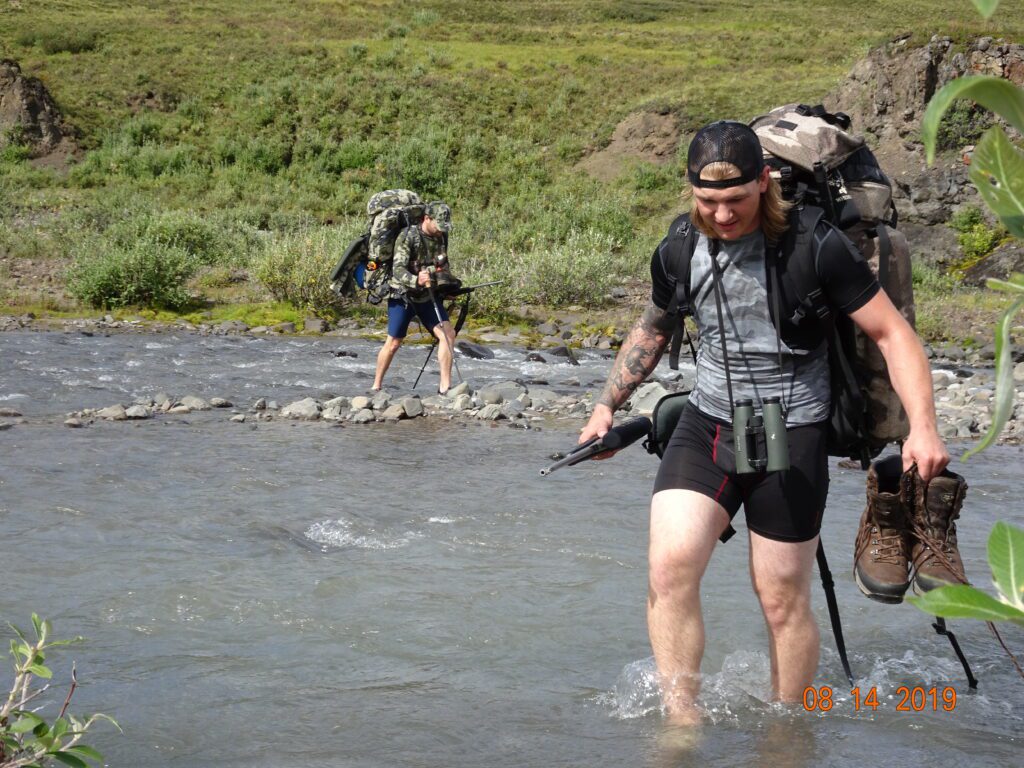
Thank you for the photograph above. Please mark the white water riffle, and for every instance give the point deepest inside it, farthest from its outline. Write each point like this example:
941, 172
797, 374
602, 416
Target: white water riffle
414, 595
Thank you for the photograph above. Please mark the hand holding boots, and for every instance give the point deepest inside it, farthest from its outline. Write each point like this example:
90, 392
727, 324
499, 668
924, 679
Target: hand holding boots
908, 531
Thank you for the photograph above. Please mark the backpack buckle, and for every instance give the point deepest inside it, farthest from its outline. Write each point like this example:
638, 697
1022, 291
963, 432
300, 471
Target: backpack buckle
817, 303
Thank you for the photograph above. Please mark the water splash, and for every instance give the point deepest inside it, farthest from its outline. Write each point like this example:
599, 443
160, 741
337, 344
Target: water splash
738, 690
346, 534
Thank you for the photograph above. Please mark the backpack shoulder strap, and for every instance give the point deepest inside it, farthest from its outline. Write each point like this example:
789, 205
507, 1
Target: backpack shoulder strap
801, 276
676, 252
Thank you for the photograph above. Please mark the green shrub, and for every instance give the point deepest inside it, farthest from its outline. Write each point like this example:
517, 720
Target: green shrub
977, 238
962, 125
145, 274
295, 266
61, 40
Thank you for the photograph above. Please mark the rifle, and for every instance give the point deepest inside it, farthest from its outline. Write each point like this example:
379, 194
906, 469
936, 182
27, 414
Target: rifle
615, 438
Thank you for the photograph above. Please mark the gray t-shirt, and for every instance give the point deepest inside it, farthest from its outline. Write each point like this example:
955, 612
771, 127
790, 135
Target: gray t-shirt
750, 339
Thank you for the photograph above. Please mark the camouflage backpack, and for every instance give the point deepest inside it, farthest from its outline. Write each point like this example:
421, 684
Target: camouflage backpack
820, 163
367, 261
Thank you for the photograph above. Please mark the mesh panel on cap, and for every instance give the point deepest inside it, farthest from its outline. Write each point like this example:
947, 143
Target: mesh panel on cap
725, 142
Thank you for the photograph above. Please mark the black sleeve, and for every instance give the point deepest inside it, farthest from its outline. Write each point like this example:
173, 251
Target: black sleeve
663, 282
846, 277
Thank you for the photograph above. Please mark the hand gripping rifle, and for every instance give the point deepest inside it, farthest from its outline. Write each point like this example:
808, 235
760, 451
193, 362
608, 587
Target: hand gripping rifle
615, 438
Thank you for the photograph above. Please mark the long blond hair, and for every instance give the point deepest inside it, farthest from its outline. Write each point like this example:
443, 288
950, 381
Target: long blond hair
774, 208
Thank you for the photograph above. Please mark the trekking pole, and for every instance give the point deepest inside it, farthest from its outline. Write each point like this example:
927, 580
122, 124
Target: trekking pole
940, 628
833, 609
451, 349
424, 366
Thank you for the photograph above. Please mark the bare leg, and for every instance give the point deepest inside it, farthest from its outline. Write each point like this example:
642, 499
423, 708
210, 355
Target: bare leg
684, 528
781, 574
384, 358
445, 344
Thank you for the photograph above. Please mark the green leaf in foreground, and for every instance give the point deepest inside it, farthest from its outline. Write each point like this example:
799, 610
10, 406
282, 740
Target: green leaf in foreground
994, 93
1005, 390
69, 759
1006, 558
997, 170
960, 601
986, 7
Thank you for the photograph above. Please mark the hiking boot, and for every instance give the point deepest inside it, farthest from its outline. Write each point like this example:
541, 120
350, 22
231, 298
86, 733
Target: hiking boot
880, 552
934, 554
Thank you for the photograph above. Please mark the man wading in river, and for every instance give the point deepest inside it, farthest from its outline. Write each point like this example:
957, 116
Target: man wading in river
420, 267
740, 216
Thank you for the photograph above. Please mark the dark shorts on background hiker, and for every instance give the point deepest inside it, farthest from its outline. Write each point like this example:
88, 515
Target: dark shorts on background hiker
400, 314
785, 506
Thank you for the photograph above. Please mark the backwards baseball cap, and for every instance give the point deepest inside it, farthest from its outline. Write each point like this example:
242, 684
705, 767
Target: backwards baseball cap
441, 214
725, 141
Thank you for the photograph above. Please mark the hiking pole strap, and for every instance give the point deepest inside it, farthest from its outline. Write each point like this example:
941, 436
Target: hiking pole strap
940, 628
833, 609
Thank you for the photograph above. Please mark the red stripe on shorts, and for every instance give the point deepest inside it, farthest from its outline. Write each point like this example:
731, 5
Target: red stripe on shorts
714, 446
721, 487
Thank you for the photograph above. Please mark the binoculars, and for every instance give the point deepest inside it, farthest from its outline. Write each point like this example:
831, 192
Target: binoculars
760, 439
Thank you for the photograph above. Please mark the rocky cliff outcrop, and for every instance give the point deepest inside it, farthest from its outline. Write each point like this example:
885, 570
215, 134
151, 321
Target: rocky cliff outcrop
28, 114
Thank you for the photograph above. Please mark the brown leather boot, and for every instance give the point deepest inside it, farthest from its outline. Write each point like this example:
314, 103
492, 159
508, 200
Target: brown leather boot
936, 559
880, 553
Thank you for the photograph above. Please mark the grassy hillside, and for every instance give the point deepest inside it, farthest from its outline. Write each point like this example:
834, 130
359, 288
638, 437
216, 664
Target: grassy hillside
223, 135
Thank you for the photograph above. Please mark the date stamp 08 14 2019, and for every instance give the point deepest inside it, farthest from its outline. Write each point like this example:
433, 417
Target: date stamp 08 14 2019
910, 699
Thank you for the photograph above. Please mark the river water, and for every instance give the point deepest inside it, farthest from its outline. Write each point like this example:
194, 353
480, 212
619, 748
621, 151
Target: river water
416, 594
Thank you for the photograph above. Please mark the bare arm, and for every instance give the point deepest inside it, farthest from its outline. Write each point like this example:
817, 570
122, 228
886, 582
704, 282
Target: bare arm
638, 356
911, 378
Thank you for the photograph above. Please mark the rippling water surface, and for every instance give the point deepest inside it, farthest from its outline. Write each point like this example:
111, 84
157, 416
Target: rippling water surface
415, 594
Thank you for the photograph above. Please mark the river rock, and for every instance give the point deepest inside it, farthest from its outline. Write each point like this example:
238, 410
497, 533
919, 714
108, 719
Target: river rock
412, 406
644, 399
547, 329
220, 402
578, 409
496, 338
394, 412
495, 394
462, 388
137, 412
1018, 372
10, 413
381, 400
943, 378
260, 405
525, 400
363, 416
462, 402
510, 409
333, 413
195, 403
288, 327
238, 418
233, 326
73, 423
315, 325
112, 413
535, 357
360, 402
341, 403
179, 409
563, 351
306, 409
490, 413
475, 351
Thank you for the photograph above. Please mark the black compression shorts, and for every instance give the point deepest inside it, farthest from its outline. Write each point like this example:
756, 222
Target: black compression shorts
785, 506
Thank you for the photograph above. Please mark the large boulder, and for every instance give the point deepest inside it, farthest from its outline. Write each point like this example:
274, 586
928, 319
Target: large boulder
28, 111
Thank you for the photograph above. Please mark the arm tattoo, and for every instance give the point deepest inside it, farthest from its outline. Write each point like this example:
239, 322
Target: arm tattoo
638, 356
